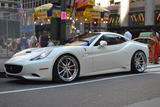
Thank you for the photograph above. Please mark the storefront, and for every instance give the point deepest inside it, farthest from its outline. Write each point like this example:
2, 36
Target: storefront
136, 18
157, 17
84, 17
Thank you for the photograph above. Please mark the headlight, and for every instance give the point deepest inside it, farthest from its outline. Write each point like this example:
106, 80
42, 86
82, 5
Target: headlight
42, 55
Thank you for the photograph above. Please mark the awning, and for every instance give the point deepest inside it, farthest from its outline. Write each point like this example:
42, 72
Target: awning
45, 12
84, 3
95, 13
41, 11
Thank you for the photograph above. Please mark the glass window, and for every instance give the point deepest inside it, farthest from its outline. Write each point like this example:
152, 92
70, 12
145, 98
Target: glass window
9, 5
136, 19
2, 4
83, 40
146, 41
114, 20
111, 39
157, 17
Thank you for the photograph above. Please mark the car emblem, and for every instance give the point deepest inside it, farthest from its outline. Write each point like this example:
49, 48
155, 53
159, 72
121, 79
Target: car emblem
85, 49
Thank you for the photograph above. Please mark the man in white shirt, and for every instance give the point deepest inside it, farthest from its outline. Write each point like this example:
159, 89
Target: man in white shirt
128, 34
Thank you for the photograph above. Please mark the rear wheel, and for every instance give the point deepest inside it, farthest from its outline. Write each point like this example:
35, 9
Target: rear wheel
66, 69
139, 62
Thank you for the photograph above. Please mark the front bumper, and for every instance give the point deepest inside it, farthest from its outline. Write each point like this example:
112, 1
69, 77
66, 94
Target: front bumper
31, 70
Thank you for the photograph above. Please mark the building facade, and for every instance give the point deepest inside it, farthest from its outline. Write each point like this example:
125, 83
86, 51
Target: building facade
9, 18
8, 8
137, 15
34, 3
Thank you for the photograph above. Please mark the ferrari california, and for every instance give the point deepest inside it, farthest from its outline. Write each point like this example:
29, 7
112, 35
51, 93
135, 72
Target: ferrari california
90, 54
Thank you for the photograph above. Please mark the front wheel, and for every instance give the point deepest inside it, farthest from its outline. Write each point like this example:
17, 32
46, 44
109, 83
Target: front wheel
138, 62
66, 69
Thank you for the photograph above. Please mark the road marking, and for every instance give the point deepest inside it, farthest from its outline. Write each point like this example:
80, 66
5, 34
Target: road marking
71, 84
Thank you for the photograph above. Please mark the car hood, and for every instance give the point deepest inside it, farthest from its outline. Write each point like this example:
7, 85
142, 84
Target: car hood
30, 53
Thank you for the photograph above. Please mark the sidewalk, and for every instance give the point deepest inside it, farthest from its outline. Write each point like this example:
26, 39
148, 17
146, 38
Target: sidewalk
151, 65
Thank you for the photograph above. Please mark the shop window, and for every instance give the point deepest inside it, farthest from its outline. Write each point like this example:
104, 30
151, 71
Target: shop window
114, 20
136, 19
111, 2
157, 17
2, 4
9, 5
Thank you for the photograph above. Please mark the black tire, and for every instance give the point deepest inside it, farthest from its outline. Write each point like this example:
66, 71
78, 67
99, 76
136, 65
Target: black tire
66, 69
138, 62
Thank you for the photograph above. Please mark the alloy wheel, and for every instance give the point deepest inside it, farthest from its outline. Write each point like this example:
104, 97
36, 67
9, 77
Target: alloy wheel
67, 68
140, 61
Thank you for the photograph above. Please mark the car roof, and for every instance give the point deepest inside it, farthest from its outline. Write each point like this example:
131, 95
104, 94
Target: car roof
145, 34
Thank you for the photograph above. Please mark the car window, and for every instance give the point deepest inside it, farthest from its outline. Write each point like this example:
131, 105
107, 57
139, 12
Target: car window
111, 39
84, 40
146, 41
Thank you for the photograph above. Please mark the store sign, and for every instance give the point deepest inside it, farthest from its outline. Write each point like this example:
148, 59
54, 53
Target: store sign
84, 3
27, 29
63, 16
95, 14
41, 11
56, 13
106, 16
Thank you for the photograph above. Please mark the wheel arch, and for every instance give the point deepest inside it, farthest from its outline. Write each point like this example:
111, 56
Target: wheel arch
138, 51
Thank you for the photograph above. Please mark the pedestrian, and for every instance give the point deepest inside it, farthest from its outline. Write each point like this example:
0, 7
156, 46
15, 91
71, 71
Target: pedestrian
128, 34
33, 41
50, 43
24, 42
154, 49
18, 47
158, 36
44, 39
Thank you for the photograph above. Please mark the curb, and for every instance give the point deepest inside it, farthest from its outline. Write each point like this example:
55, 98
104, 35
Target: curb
153, 66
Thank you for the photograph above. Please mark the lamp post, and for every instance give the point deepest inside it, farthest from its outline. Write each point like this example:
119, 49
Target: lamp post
58, 25
63, 22
7, 35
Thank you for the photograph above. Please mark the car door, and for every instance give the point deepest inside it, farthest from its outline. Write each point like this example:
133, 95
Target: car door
107, 57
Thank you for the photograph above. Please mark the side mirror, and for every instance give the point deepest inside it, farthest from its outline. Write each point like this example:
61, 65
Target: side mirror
103, 43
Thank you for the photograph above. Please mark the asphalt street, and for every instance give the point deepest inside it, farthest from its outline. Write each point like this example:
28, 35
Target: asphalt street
110, 90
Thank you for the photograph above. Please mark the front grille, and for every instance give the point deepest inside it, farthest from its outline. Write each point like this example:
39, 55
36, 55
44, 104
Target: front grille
13, 68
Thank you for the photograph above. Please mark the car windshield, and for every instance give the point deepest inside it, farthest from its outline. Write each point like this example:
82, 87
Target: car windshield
82, 40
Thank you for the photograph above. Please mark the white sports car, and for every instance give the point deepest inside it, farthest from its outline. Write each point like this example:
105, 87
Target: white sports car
90, 54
